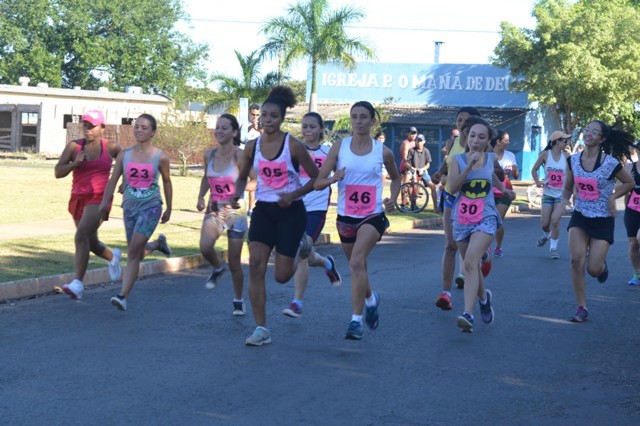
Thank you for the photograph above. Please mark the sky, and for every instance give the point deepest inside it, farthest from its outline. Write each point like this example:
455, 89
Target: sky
404, 33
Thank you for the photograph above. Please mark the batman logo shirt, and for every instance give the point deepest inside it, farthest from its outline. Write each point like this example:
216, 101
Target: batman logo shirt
476, 188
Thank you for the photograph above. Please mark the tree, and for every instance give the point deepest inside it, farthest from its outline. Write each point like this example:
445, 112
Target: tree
311, 31
93, 43
581, 59
250, 86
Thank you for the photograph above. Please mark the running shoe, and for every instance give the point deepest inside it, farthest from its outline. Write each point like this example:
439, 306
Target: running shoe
465, 322
542, 241
212, 282
259, 337
163, 247
486, 311
305, 247
238, 309
119, 302
485, 263
355, 331
581, 315
115, 271
333, 274
497, 252
294, 310
444, 302
553, 254
604, 275
371, 313
635, 280
460, 280
74, 289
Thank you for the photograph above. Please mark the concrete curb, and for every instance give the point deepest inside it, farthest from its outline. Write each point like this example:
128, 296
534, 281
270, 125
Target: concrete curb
32, 287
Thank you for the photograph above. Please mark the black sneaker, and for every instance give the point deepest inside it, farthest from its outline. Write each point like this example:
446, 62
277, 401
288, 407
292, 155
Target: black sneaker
238, 309
354, 332
212, 282
333, 274
486, 311
605, 274
163, 247
371, 313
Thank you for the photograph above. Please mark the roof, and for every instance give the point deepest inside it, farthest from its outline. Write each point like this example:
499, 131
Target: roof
416, 115
80, 93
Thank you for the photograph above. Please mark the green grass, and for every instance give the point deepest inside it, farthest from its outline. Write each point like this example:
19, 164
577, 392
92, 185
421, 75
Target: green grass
30, 193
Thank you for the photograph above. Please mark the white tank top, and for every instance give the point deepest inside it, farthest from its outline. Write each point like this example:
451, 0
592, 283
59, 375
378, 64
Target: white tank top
554, 172
222, 184
275, 176
316, 200
360, 192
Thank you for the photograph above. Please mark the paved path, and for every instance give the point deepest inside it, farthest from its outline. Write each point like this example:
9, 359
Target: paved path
177, 356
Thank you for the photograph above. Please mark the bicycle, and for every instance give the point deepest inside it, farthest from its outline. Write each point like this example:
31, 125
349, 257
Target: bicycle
416, 193
534, 196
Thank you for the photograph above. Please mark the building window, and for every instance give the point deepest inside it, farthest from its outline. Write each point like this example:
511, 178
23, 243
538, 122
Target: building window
127, 121
69, 118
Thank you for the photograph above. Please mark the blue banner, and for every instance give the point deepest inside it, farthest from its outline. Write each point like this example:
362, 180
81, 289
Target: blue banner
479, 85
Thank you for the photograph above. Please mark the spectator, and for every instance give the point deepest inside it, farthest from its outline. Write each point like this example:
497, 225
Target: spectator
418, 161
407, 144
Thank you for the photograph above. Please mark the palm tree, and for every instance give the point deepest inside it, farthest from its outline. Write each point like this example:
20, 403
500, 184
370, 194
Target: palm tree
312, 31
250, 86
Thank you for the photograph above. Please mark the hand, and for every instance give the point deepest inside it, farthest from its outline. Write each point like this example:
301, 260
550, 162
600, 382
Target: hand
102, 210
286, 199
165, 216
436, 178
389, 205
512, 194
539, 185
121, 188
80, 157
474, 158
338, 175
612, 206
234, 202
200, 205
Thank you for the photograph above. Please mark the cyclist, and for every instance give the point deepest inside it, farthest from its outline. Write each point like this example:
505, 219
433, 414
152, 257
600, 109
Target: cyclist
418, 161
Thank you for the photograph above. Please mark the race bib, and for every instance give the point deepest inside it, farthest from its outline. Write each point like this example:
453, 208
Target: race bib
360, 200
634, 201
222, 188
139, 175
587, 188
470, 211
319, 162
555, 179
273, 173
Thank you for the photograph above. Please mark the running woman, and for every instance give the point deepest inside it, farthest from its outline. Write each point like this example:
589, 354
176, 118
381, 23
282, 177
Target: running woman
140, 165
632, 220
554, 159
89, 160
279, 218
507, 161
356, 162
316, 203
593, 172
221, 172
475, 217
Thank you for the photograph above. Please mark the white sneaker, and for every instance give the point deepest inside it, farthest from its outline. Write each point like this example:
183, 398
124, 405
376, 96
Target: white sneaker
115, 271
74, 289
120, 303
259, 337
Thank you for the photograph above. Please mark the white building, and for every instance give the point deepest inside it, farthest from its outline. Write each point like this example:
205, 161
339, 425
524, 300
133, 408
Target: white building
35, 117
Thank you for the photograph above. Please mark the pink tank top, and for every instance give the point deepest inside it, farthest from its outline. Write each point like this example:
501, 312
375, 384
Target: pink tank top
91, 177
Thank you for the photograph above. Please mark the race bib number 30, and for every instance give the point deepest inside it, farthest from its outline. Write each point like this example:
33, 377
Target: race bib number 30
470, 211
587, 188
360, 200
273, 173
139, 175
222, 188
555, 179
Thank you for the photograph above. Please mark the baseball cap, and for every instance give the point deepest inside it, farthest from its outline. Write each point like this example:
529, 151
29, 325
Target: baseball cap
94, 117
420, 138
559, 135
413, 130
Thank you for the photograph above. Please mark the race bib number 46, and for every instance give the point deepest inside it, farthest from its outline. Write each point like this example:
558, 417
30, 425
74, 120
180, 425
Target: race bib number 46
360, 200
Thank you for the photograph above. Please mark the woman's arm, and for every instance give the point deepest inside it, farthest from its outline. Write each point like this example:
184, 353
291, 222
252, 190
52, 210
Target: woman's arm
68, 160
244, 169
394, 175
323, 180
204, 183
300, 154
111, 186
542, 158
165, 171
456, 176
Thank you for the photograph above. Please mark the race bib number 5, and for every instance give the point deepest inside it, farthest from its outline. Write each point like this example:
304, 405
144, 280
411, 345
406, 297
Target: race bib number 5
587, 188
139, 175
360, 200
273, 173
470, 211
319, 162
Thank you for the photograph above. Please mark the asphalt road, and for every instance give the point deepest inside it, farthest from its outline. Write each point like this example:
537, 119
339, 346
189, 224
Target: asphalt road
177, 356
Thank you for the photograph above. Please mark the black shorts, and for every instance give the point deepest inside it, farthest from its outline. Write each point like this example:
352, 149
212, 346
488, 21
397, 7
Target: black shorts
277, 227
598, 228
631, 222
348, 226
315, 223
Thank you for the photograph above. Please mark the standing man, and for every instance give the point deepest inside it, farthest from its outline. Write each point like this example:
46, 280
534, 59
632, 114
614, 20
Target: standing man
253, 131
418, 161
408, 144
89, 160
